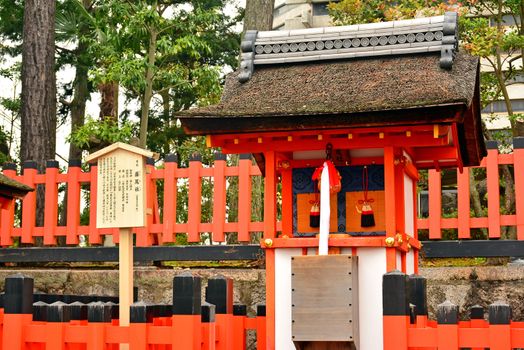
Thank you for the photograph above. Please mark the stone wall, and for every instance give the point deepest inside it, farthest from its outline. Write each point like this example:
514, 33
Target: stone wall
464, 286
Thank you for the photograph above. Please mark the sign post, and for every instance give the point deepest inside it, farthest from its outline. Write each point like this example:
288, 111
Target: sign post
121, 203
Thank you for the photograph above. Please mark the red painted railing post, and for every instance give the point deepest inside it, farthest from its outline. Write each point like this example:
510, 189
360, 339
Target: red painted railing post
447, 326
244, 196
395, 310
187, 309
170, 198
518, 163
499, 326
219, 292
18, 310
73, 201
219, 197
194, 198
58, 315
476, 320
140, 316
143, 234
51, 202
463, 204
261, 327
7, 216
94, 233
492, 174
239, 327
208, 327
29, 172
435, 203
98, 317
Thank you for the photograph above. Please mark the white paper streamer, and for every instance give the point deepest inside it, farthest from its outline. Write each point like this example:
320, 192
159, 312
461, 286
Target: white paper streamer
324, 212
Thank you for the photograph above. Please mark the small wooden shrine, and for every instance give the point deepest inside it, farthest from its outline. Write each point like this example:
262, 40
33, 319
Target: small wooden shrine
369, 105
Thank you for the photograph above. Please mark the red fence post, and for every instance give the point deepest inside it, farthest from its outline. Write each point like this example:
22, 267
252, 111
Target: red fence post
194, 198
499, 326
239, 327
447, 326
187, 309
435, 203
219, 292
170, 198
143, 234
98, 317
18, 303
518, 163
51, 202
73, 201
29, 171
208, 327
219, 197
94, 233
244, 196
58, 314
395, 310
463, 204
477, 319
261, 327
140, 316
492, 175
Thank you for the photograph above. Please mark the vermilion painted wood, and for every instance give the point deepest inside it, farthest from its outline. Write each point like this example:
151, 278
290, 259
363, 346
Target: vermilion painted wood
219, 196
94, 233
208, 336
14, 325
225, 334
239, 333
73, 205
138, 336
244, 199
435, 204
287, 203
400, 212
194, 201
28, 207
463, 204
7, 216
395, 332
143, 234
499, 337
390, 204
492, 173
186, 332
261, 333
170, 198
51, 206
447, 337
518, 154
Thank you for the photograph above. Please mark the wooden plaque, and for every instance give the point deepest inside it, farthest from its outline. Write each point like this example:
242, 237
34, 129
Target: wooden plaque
121, 191
324, 298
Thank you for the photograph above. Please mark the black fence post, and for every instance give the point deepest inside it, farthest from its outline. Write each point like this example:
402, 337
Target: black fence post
219, 292
239, 329
187, 309
396, 309
208, 325
447, 325
499, 316
418, 295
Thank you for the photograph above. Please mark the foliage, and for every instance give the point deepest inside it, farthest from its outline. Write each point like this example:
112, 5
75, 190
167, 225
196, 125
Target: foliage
106, 131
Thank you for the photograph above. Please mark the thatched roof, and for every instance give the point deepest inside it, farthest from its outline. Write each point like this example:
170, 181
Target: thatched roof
340, 88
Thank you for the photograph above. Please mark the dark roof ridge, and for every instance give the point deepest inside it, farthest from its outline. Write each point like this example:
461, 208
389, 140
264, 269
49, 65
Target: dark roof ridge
405, 37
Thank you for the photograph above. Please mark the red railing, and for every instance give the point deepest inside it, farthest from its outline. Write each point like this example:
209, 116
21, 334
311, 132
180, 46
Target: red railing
463, 222
407, 326
158, 230
162, 226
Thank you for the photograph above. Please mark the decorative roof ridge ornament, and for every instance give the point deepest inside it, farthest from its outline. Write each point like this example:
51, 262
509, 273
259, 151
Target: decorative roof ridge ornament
419, 35
247, 56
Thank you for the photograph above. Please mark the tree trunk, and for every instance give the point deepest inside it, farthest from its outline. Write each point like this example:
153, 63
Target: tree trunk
38, 115
259, 15
108, 100
148, 93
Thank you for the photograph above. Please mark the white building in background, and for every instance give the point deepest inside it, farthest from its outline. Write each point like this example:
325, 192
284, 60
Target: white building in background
299, 14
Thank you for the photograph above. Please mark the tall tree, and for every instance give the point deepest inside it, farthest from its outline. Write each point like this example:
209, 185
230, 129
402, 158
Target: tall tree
259, 15
38, 114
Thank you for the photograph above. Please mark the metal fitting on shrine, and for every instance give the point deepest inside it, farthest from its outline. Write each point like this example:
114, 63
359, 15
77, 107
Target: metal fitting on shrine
268, 242
399, 238
390, 241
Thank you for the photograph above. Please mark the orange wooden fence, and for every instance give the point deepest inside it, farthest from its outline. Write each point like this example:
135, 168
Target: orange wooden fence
406, 326
495, 219
189, 324
162, 226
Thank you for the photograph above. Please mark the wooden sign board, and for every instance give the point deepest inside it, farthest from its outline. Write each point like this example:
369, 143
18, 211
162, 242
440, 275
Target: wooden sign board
121, 192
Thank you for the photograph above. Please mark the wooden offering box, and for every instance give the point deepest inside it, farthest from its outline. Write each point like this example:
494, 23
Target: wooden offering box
324, 297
